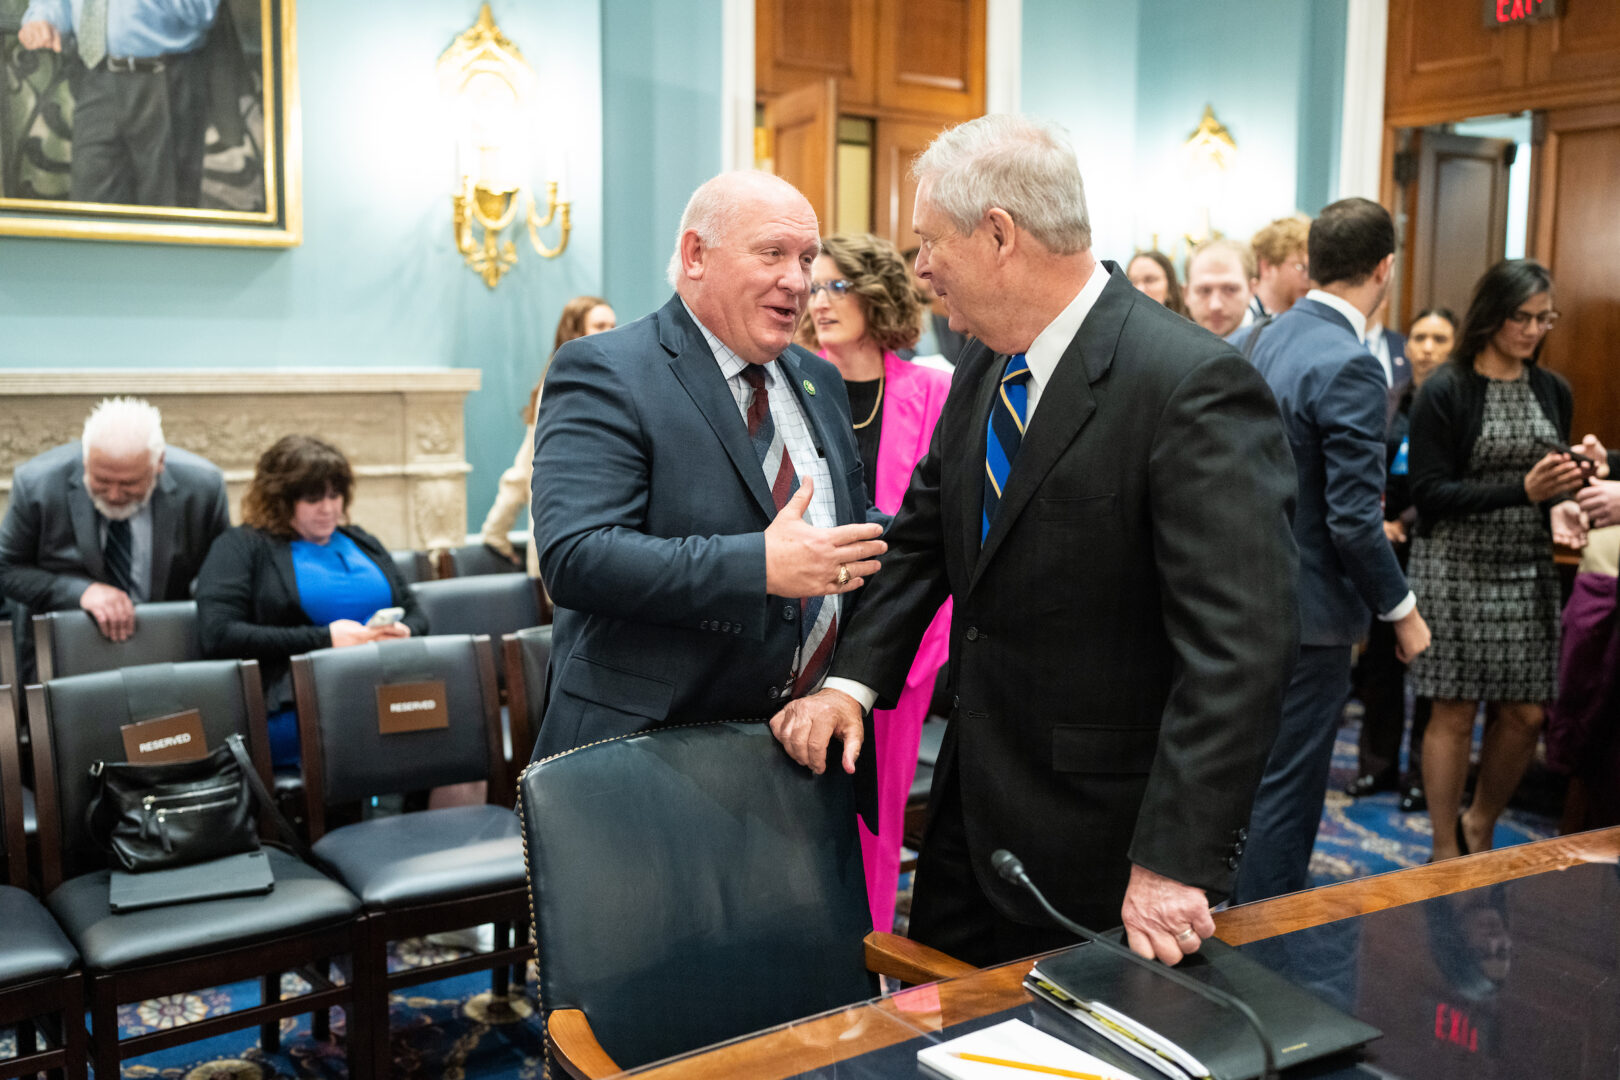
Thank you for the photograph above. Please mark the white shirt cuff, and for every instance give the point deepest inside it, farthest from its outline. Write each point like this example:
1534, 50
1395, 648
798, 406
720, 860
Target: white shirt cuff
859, 691
1400, 610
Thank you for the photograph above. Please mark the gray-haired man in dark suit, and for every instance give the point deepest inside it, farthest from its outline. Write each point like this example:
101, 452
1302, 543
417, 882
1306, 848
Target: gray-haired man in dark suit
113, 520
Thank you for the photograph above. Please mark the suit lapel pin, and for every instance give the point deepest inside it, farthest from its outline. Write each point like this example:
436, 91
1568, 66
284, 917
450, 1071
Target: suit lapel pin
810, 388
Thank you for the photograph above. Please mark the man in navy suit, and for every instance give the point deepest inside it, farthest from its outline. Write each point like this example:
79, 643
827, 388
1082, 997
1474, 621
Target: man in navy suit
699, 503
1332, 394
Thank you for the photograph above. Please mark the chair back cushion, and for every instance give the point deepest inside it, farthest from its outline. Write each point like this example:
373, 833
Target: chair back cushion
359, 761
534, 649
493, 604
474, 559
693, 884
413, 566
87, 711
70, 644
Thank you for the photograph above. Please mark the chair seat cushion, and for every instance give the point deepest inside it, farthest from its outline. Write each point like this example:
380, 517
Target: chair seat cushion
303, 899
35, 946
431, 855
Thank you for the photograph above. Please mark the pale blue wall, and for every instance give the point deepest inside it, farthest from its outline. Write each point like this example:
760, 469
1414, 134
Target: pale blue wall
1080, 69
1130, 79
661, 103
377, 281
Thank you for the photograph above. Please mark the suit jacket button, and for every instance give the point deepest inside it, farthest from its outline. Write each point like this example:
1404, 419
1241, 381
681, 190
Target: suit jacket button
1243, 833
1237, 848
704, 625
725, 628
1232, 862
972, 633
790, 612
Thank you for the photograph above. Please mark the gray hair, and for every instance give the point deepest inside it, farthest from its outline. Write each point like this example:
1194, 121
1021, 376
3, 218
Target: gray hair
714, 209
123, 427
1022, 165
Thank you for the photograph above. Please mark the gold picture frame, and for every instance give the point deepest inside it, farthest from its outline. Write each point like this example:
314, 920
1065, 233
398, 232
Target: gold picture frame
247, 191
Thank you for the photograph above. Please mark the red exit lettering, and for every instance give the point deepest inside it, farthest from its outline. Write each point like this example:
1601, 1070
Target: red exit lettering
1512, 11
1451, 1025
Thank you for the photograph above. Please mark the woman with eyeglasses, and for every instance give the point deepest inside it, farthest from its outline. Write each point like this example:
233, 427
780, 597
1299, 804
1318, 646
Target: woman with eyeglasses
1491, 476
863, 307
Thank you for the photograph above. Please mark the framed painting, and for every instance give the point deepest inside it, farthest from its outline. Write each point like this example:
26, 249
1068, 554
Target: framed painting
160, 121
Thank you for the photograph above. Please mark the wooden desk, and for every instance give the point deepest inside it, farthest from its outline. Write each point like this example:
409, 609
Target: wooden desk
819, 1041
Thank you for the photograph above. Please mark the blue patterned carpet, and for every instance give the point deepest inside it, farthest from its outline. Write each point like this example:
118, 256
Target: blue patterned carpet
456, 1029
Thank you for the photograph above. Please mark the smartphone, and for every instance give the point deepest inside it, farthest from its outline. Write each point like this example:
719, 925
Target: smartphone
1559, 448
388, 616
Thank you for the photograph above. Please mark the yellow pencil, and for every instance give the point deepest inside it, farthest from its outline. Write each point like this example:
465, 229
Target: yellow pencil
1047, 1069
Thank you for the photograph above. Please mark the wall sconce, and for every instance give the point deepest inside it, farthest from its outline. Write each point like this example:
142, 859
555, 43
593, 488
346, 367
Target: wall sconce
490, 85
1210, 152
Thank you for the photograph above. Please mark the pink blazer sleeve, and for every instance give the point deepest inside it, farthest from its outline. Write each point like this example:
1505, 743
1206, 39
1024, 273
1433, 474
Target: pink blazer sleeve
912, 400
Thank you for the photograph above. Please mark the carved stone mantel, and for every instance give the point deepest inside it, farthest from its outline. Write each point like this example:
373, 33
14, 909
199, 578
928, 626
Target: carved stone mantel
402, 430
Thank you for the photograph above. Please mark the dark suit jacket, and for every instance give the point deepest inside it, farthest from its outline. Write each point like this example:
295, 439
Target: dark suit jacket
1400, 374
50, 542
248, 606
1332, 394
1121, 642
649, 513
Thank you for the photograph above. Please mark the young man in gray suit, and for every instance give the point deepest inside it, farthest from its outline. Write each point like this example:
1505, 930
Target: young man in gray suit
700, 508
113, 520
1106, 500
1332, 393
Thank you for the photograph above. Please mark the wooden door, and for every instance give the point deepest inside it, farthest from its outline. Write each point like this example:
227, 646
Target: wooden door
930, 57
801, 127
1460, 217
1581, 45
797, 44
895, 192
1577, 235
1441, 52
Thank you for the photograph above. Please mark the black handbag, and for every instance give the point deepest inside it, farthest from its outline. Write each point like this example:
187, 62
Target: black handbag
159, 817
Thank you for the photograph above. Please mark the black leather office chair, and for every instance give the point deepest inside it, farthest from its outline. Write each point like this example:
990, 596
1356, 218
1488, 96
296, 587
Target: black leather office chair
69, 642
428, 871
306, 922
41, 991
413, 566
528, 662
474, 559
693, 884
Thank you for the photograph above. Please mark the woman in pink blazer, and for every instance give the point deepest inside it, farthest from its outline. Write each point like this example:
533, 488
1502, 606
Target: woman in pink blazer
864, 306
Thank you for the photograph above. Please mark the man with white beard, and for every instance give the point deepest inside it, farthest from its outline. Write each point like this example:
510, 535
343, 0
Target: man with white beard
116, 519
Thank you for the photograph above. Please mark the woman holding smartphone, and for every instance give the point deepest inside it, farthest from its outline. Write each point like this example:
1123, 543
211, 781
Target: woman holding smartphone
297, 576
1490, 479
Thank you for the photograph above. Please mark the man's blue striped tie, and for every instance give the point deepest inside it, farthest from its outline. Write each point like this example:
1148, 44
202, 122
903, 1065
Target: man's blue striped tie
1006, 434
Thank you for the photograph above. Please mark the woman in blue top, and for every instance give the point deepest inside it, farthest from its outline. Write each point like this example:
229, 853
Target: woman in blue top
296, 576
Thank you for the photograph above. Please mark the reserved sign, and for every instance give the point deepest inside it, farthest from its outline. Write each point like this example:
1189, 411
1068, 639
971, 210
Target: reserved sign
417, 706
176, 737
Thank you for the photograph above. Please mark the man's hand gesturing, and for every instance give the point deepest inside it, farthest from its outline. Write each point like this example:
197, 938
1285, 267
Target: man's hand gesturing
802, 560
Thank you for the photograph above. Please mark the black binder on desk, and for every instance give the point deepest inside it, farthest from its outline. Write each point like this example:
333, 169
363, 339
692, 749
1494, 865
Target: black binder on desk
1183, 1034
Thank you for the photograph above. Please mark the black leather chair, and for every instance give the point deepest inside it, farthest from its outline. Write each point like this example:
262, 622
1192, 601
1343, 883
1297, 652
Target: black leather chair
413, 566
474, 559
431, 870
528, 663
41, 991
69, 642
690, 885
11, 688
304, 924
491, 604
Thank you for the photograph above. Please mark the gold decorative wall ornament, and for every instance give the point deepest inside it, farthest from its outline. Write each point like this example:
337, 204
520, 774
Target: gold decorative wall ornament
490, 88
1210, 144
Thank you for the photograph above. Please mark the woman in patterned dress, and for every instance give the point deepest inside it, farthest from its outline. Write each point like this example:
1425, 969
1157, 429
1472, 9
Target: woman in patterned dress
1491, 485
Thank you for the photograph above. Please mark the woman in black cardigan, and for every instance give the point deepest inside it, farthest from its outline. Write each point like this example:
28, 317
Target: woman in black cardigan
296, 577
1490, 474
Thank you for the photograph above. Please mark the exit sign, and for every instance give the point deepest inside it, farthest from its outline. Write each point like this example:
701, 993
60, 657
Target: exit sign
1514, 12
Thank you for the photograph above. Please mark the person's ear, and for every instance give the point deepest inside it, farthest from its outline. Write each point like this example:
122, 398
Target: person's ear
692, 254
1003, 232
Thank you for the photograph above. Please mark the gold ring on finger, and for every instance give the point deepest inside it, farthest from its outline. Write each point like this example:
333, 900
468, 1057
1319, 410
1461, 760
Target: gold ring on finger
843, 575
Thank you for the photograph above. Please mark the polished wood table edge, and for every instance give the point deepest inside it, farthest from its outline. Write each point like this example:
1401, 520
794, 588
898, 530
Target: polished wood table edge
839, 1035
1362, 896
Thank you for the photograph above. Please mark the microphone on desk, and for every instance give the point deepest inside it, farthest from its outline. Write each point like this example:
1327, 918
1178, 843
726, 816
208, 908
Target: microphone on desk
1011, 869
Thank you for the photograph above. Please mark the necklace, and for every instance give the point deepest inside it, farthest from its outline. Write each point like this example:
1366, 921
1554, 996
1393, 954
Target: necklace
876, 405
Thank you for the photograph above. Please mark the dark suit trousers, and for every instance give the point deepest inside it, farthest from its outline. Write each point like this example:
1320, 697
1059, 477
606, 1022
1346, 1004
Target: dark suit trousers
1288, 806
950, 912
1381, 686
139, 136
